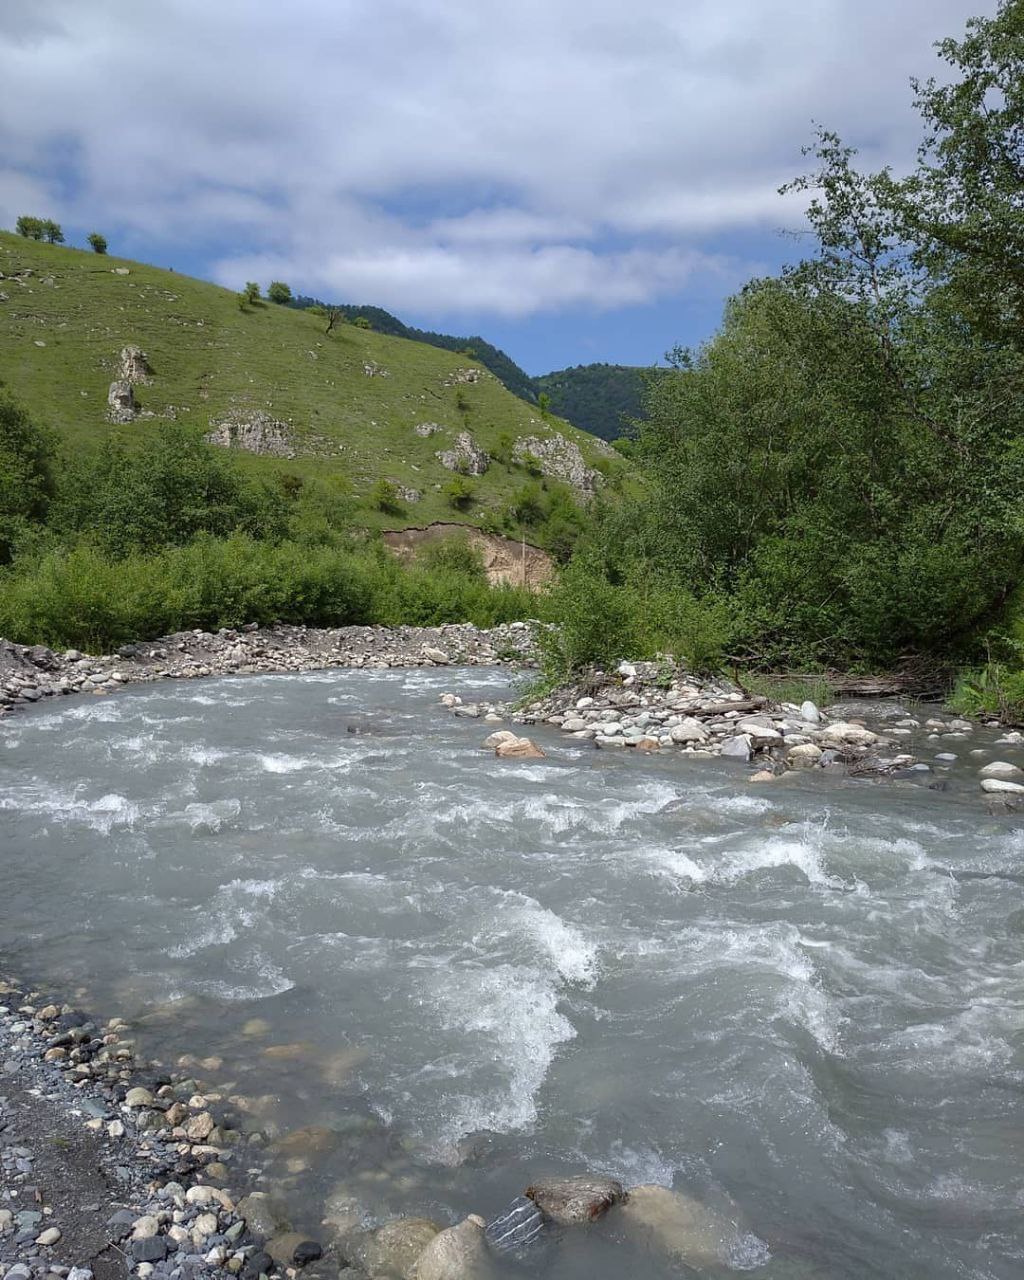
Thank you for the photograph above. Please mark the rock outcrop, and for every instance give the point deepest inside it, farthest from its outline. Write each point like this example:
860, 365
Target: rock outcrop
558, 458
121, 407
255, 432
465, 457
426, 429
133, 366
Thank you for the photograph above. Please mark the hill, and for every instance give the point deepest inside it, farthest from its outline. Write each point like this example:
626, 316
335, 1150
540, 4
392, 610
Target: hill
476, 348
272, 384
598, 398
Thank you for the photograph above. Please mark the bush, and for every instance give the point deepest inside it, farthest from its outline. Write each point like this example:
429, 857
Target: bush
97, 243
384, 497
453, 555
26, 477
279, 292
460, 492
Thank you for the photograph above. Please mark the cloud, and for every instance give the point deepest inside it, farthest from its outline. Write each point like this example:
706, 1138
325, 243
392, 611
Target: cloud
462, 156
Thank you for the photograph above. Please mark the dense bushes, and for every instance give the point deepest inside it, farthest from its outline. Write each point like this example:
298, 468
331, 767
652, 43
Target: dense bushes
84, 599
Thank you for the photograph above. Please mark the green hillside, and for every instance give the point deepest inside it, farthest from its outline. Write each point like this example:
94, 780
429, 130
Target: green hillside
347, 402
600, 398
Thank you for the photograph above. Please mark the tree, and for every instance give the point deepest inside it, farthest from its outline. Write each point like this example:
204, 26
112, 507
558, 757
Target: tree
52, 232
251, 292
29, 227
279, 292
97, 242
26, 479
334, 316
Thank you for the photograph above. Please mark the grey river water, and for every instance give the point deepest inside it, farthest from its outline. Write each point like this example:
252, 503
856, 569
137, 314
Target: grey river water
801, 1004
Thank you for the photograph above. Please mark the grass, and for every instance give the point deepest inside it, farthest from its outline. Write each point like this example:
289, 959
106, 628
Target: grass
790, 687
63, 326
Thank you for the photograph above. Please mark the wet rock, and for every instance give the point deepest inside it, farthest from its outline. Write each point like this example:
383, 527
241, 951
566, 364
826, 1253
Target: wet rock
803, 756
496, 739
393, 1249
282, 1247
740, 747
998, 786
517, 1228
306, 1252
1002, 769
518, 749
139, 1097
460, 1253
264, 1214
150, 1249
257, 1264
570, 1201
676, 1225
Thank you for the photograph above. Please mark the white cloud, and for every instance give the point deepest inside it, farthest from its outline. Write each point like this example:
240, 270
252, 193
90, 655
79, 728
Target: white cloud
454, 156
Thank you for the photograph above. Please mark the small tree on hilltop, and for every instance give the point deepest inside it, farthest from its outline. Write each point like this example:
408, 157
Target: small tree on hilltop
97, 242
29, 227
251, 292
279, 292
52, 232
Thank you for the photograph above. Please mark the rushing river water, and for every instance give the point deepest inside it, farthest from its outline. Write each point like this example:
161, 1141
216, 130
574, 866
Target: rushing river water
800, 1004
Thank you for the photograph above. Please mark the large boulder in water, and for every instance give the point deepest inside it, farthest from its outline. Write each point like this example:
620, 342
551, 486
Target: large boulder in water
460, 1253
678, 1226
518, 749
393, 1249
570, 1201
517, 1228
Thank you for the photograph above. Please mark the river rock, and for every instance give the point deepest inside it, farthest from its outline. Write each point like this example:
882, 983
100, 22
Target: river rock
460, 1253
855, 734
676, 1225
392, 1250
518, 749
282, 1247
690, 730
496, 739
810, 712
264, 1214
517, 1228
804, 756
1000, 786
569, 1201
740, 747
1002, 769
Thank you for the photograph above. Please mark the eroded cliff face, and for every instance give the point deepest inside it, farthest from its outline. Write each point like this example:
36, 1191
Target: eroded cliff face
504, 559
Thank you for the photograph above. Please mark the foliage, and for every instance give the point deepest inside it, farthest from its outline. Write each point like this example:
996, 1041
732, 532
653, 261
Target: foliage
279, 292
96, 242
601, 398
384, 497
453, 555
164, 492
994, 690
26, 476
460, 492
251, 292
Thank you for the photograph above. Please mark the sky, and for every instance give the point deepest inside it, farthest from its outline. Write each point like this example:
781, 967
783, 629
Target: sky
576, 180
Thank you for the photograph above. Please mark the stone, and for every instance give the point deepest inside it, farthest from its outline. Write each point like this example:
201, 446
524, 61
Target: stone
306, 1252
518, 749
254, 431
855, 734
762, 775
282, 1247
803, 756
392, 1250
1000, 786
810, 712
740, 747
426, 429
559, 458
569, 1201
258, 1264
518, 1227
677, 1225
199, 1128
459, 1253
149, 1249
139, 1097
133, 365
50, 1236
121, 408
465, 456
145, 1227
690, 730
437, 656
264, 1214
496, 739
1001, 769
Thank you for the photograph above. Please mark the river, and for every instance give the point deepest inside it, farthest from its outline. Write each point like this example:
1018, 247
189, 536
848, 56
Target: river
801, 1004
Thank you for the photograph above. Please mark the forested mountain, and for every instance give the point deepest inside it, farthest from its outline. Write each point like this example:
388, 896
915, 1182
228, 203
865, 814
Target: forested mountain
603, 396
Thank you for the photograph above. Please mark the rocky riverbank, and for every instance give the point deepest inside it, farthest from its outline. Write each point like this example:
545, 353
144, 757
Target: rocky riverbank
647, 707
31, 673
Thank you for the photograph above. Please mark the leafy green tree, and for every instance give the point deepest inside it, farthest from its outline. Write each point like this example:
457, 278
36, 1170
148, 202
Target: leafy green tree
29, 227
279, 292
97, 242
26, 476
251, 292
52, 233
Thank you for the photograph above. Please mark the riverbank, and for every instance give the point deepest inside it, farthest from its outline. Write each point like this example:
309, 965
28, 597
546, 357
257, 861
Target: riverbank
653, 707
31, 673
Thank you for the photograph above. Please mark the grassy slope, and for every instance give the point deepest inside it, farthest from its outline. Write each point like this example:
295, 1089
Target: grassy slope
209, 357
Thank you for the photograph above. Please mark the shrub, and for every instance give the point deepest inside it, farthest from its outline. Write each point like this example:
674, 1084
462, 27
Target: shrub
279, 292
384, 497
97, 243
460, 492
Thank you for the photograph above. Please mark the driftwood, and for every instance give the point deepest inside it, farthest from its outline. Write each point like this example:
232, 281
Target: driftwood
754, 703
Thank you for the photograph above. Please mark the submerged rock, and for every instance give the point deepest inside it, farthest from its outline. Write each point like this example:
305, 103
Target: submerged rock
677, 1225
570, 1201
264, 1214
460, 1253
393, 1249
